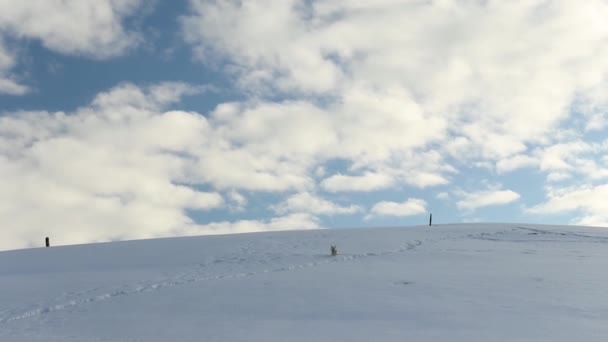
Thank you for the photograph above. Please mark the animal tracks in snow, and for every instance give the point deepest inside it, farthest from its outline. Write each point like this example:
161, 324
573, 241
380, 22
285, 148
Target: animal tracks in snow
72, 300
246, 256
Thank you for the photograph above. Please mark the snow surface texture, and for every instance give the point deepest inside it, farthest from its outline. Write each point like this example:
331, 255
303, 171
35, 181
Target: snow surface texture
478, 282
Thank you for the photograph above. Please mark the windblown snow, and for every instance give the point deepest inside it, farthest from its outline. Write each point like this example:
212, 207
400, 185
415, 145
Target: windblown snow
470, 282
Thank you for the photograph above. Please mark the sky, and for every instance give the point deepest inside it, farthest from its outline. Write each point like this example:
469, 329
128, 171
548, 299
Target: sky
129, 119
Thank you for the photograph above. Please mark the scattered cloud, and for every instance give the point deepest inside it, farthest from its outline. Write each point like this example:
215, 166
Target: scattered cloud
407, 103
444, 196
515, 162
442, 75
11, 87
558, 176
589, 202
574, 157
558, 156
112, 170
299, 221
411, 207
306, 202
397, 103
8, 84
91, 28
238, 202
485, 198
366, 182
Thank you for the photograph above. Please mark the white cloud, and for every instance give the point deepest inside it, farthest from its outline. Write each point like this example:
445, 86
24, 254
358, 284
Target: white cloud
485, 198
399, 101
558, 157
444, 196
515, 162
8, 84
154, 97
90, 28
299, 221
593, 104
11, 87
411, 207
421, 170
93, 28
289, 140
366, 182
558, 176
115, 169
467, 76
572, 157
466, 80
125, 166
424, 179
591, 169
588, 201
238, 202
306, 202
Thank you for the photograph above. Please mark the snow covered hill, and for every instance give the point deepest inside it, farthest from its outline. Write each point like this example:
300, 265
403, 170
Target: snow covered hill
474, 282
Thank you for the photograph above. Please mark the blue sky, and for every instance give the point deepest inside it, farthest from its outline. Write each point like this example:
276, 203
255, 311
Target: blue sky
132, 119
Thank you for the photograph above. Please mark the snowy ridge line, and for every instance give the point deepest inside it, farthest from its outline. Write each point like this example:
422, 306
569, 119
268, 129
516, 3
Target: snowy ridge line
184, 279
569, 237
541, 231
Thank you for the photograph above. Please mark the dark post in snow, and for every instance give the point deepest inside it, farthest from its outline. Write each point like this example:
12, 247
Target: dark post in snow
431, 220
333, 250
48, 242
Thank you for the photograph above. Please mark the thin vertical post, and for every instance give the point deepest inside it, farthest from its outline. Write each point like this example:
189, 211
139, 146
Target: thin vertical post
48, 242
431, 220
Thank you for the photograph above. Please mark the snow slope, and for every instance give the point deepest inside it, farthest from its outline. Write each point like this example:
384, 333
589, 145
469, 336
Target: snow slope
477, 282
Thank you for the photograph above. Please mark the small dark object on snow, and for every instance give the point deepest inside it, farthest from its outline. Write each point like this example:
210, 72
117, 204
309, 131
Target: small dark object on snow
48, 242
334, 250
